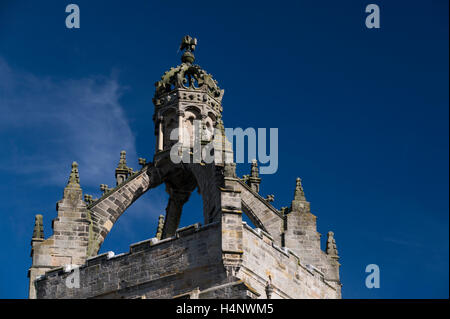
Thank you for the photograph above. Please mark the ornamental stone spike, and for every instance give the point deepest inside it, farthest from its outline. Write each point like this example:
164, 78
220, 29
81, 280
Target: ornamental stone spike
331, 246
254, 180
122, 170
284, 210
74, 178
73, 190
270, 198
299, 194
38, 231
142, 161
88, 199
105, 189
123, 160
300, 203
254, 173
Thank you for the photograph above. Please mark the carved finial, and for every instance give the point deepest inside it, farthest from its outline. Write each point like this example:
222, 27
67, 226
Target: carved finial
331, 245
123, 160
72, 191
188, 44
130, 171
300, 204
105, 189
254, 172
38, 231
253, 179
159, 229
299, 193
270, 198
88, 199
142, 161
74, 178
122, 170
284, 210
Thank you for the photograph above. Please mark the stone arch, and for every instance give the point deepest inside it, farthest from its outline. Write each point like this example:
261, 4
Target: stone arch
208, 179
180, 179
212, 116
261, 213
104, 212
252, 216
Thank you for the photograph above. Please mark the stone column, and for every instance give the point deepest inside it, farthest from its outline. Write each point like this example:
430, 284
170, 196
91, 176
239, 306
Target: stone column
177, 199
160, 135
180, 114
204, 134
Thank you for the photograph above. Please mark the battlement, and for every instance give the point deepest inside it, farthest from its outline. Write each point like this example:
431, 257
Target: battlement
165, 268
289, 275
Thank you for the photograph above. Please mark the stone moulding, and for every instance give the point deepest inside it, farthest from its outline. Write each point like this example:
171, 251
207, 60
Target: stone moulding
116, 189
276, 211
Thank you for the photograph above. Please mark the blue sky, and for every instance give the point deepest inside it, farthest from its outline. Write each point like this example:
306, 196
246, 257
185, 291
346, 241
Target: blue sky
362, 117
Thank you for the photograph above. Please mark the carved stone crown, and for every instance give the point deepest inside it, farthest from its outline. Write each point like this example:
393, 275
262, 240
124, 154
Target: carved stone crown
187, 76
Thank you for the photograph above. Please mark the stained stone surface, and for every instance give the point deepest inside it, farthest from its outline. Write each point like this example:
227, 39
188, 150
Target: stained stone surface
224, 258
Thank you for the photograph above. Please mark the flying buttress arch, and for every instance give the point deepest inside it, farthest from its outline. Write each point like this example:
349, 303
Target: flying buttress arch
104, 212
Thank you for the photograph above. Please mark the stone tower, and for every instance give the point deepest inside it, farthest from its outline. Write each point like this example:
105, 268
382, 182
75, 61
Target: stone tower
221, 258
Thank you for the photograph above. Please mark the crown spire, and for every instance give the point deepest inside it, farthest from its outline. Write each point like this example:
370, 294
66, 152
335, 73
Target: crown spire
188, 76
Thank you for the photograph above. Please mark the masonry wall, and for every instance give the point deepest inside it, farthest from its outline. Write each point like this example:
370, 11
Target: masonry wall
264, 212
160, 270
290, 277
190, 265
